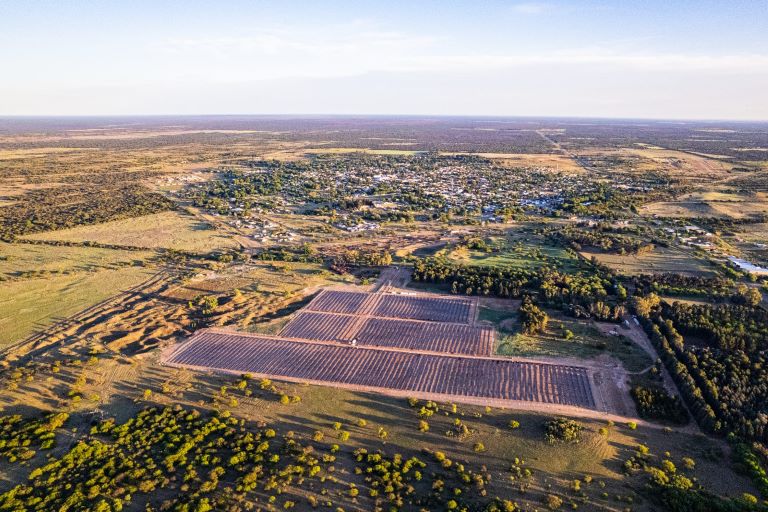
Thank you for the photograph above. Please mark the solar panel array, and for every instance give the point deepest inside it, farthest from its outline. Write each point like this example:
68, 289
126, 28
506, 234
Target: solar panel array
402, 343
413, 307
386, 369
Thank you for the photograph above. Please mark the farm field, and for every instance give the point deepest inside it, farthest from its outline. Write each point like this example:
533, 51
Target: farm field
433, 309
424, 308
21, 261
430, 336
168, 230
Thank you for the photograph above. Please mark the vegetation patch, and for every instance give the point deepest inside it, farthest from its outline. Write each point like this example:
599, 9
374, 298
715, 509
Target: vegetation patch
653, 402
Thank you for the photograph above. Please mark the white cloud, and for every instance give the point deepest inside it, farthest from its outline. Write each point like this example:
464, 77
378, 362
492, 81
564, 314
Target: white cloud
353, 51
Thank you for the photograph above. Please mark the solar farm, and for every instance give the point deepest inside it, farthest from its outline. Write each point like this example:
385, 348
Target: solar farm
401, 344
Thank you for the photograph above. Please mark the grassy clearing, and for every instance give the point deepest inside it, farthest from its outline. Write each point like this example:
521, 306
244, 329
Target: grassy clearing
43, 284
31, 304
512, 253
171, 230
660, 260
736, 209
676, 163
18, 261
587, 343
495, 316
261, 282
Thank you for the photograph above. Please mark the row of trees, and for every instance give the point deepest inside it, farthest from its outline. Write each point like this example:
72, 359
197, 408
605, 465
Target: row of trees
724, 384
723, 326
682, 285
581, 295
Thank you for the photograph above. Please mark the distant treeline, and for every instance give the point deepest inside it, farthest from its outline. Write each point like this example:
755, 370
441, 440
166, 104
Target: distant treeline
52, 209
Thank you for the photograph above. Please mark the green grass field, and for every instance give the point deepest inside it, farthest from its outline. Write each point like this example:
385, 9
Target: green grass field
511, 255
171, 230
587, 343
28, 305
42, 284
18, 261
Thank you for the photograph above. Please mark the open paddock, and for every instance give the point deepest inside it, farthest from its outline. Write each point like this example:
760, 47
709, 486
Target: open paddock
392, 371
660, 260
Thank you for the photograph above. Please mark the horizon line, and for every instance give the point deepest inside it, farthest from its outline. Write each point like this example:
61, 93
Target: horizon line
401, 115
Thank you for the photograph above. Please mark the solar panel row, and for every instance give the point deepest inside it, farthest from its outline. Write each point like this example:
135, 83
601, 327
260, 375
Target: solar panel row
386, 369
434, 309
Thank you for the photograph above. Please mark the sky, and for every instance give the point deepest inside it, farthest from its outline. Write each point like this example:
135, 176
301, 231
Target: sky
671, 59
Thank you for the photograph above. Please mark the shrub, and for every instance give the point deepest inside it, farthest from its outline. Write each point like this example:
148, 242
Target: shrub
553, 502
562, 430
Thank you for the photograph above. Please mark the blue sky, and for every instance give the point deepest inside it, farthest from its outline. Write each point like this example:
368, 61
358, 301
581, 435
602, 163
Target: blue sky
651, 59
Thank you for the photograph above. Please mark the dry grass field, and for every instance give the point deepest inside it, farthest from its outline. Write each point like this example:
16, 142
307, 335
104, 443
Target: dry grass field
588, 343
674, 163
711, 204
531, 160
20, 261
41, 284
169, 230
660, 260
31, 304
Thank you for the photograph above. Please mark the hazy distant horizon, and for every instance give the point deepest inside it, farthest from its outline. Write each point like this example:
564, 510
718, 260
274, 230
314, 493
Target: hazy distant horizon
320, 116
